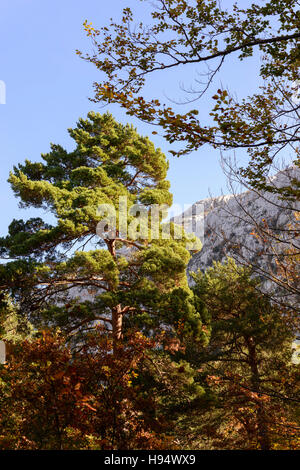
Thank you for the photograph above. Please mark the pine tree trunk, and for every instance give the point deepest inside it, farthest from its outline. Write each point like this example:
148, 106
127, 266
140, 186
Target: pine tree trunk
262, 426
117, 315
117, 320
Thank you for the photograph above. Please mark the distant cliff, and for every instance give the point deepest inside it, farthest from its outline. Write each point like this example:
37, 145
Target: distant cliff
229, 222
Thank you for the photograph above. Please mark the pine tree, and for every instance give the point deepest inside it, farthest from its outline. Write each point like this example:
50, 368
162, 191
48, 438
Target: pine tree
13, 326
131, 281
252, 381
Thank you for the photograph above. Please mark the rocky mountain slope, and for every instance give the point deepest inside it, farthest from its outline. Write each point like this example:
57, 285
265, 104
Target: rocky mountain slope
226, 224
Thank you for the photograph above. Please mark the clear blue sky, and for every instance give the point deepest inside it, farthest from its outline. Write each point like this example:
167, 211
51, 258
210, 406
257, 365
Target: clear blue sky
48, 87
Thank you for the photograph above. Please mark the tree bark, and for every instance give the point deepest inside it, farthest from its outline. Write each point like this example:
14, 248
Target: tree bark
262, 426
117, 321
117, 314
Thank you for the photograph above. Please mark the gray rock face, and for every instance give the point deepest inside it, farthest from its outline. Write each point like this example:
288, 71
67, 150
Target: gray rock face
228, 224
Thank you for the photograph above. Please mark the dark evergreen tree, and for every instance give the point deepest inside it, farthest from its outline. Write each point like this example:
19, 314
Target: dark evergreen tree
252, 383
139, 277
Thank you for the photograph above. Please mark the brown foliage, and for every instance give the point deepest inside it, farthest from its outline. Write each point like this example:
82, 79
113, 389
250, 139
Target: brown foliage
53, 399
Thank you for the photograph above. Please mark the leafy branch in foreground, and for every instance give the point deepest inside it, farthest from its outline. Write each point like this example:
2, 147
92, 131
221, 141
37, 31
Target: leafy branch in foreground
205, 33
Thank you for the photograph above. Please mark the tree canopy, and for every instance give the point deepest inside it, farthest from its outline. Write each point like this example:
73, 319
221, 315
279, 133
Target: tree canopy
114, 275
209, 33
252, 393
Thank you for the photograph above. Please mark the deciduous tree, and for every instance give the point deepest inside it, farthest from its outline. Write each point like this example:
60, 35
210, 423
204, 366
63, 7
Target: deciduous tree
52, 398
209, 33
